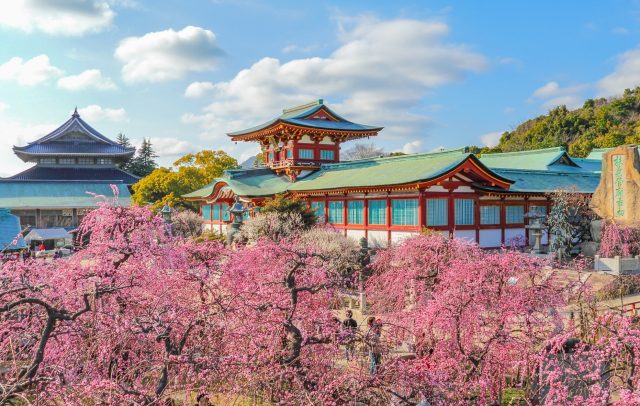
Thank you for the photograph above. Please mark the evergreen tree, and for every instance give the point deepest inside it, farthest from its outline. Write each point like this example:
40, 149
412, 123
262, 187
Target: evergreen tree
124, 141
144, 163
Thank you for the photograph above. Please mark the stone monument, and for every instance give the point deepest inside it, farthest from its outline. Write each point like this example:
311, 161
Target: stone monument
236, 211
617, 197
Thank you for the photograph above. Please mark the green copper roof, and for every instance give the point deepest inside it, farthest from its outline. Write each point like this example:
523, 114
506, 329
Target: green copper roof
597, 153
547, 181
538, 171
395, 170
539, 159
57, 195
299, 116
247, 182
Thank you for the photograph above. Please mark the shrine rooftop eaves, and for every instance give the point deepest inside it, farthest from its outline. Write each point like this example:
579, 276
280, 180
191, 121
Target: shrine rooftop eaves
307, 119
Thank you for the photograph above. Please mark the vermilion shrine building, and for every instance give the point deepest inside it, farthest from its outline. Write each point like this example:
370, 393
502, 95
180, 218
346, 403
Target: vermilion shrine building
480, 198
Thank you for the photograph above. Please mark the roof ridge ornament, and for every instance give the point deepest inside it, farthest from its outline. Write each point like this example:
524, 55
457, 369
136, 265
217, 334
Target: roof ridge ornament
75, 113
303, 106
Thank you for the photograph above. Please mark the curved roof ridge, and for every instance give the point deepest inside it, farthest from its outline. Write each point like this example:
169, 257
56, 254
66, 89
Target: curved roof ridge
67, 125
528, 152
546, 172
363, 161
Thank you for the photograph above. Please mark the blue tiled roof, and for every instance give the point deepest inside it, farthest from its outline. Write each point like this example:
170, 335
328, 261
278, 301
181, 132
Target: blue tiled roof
94, 144
61, 148
59, 195
74, 124
299, 116
9, 230
39, 173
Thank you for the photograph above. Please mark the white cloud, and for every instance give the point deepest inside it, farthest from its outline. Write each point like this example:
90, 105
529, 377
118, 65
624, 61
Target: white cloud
412, 147
491, 139
94, 112
169, 149
89, 79
33, 72
66, 17
3, 106
379, 74
198, 89
298, 49
553, 95
508, 109
18, 133
625, 76
167, 55
620, 31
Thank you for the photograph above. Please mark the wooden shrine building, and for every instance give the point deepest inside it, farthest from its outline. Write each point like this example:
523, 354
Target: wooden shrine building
70, 163
480, 198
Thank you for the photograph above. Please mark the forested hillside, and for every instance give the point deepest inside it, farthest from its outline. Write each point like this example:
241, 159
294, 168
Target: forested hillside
599, 123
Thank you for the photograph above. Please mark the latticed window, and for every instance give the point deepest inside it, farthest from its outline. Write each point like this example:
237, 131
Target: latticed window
464, 212
355, 212
86, 161
318, 208
305, 154
437, 212
378, 212
47, 161
66, 161
326, 154
271, 156
514, 214
336, 212
489, 214
224, 208
206, 212
104, 161
289, 153
404, 212
216, 212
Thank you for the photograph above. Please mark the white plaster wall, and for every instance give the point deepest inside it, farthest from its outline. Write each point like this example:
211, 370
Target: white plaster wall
511, 233
436, 189
306, 138
378, 238
397, 236
490, 238
327, 140
207, 227
464, 189
355, 234
469, 235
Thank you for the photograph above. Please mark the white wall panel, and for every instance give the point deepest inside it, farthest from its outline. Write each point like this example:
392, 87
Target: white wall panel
512, 233
397, 236
378, 238
490, 238
469, 235
355, 234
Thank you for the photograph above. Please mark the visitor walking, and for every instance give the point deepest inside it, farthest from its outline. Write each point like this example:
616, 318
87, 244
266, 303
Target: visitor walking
350, 327
41, 247
372, 338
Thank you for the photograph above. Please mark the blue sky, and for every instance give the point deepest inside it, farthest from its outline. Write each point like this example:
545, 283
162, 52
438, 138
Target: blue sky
434, 73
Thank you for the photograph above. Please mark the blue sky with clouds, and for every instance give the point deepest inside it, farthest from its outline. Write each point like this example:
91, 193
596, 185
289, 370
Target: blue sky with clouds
434, 73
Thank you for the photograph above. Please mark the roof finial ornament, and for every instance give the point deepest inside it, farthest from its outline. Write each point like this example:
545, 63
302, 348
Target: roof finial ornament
75, 112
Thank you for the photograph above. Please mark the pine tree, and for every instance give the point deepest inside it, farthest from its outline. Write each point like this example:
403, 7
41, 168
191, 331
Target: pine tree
124, 141
144, 162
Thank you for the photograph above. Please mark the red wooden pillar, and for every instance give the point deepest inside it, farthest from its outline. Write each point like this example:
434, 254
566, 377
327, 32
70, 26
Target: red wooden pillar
326, 209
451, 217
422, 210
388, 219
365, 221
345, 214
503, 220
476, 218
526, 221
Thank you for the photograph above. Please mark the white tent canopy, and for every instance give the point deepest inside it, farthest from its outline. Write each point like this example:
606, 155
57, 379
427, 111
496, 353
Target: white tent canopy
41, 234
